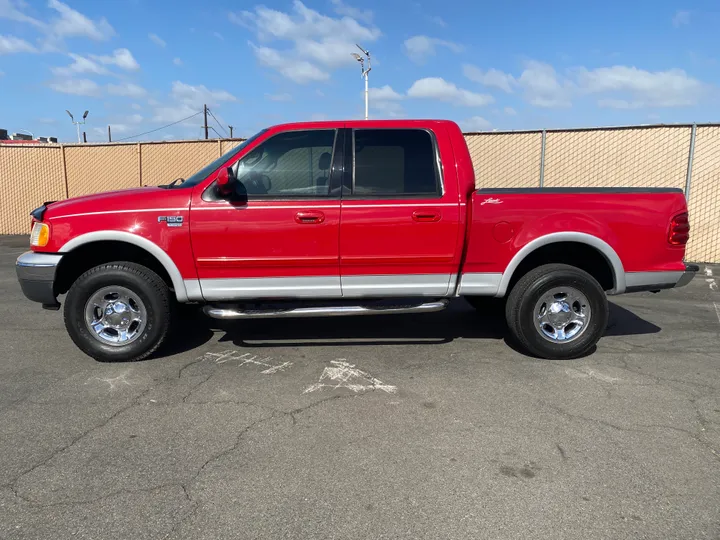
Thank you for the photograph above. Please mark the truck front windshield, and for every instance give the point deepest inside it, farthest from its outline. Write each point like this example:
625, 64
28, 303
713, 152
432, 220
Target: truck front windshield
203, 173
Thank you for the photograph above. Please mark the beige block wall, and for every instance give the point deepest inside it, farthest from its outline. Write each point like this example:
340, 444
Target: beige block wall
164, 162
704, 204
612, 158
28, 177
505, 159
93, 169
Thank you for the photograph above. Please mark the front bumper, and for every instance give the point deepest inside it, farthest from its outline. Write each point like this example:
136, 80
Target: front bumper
36, 274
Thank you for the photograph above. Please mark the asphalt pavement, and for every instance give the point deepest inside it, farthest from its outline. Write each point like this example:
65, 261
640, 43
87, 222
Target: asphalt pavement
413, 427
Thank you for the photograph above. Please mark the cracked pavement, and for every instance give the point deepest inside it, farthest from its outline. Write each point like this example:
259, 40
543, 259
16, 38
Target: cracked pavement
216, 437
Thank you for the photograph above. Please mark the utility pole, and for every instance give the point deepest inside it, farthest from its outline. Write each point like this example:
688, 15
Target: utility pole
231, 128
206, 124
84, 137
364, 72
77, 124
109, 134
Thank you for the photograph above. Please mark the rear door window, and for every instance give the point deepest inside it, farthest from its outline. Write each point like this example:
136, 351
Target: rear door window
394, 163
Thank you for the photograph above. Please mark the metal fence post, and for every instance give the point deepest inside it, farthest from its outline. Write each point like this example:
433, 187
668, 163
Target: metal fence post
542, 159
139, 152
64, 166
688, 179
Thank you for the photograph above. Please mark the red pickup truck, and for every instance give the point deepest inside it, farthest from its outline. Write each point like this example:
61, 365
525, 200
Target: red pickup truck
350, 218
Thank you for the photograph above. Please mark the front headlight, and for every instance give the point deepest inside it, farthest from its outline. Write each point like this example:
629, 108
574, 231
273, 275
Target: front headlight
40, 235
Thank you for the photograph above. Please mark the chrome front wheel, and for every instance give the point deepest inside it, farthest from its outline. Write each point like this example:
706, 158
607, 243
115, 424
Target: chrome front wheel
115, 316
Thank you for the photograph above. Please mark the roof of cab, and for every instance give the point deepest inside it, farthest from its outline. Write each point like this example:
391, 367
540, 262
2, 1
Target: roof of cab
335, 124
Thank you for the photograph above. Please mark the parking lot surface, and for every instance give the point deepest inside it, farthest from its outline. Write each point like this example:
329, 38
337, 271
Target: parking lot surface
424, 426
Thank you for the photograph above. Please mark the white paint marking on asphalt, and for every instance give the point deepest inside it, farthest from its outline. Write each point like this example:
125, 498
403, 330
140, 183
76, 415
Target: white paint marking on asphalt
717, 310
710, 280
114, 382
275, 369
588, 373
247, 358
345, 375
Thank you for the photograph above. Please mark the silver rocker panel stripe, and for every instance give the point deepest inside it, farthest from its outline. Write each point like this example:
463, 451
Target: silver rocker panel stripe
396, 285
479, 284
271, 287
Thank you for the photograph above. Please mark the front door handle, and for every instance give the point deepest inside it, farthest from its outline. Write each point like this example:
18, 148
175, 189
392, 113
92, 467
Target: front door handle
309, 218
426, 215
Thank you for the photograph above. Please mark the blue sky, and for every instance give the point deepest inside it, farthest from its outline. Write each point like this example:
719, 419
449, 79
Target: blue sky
141, 64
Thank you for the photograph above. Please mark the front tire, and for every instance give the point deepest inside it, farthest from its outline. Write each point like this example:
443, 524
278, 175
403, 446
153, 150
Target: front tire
557, 311
118, 312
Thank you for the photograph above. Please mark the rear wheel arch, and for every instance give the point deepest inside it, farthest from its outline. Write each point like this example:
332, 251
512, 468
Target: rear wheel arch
540, 248
91, 249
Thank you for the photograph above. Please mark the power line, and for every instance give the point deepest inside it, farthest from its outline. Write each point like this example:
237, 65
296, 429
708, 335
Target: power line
158, 129
218, 123
215, 130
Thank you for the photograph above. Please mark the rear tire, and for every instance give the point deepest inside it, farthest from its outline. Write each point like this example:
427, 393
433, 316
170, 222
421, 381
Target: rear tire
557, 311
118, 312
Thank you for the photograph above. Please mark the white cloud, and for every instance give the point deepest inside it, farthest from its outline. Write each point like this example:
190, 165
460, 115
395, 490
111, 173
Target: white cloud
48, 121
318, 42
278, 97
543, 88
681, 18
671, 88
386, 101
72, 23
418, 48
136, 106
80, 65
173, 113
299, 71
10, 10
364, 15
509, 111
197, 96
126, 90
492, 78
440, 89
157, 40
219, 36
177, 62
386, 93
619, 87
121, 58
12, 45
476, 123
437, 20
77, 87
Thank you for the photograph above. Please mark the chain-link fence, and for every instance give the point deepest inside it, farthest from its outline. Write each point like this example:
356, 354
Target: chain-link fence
686, 157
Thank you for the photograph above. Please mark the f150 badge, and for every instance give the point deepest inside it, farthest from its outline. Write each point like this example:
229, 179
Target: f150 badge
172, 221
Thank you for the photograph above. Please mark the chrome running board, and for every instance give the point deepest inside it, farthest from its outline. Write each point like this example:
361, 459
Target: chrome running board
322, 311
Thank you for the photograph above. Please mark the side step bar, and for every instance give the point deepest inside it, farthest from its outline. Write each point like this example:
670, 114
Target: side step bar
322, 311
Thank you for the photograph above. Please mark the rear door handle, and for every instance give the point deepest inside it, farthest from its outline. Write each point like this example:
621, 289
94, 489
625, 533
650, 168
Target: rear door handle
426, 215
309, 218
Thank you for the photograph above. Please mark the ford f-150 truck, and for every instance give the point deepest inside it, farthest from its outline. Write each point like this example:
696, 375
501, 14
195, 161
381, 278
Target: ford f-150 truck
350, 218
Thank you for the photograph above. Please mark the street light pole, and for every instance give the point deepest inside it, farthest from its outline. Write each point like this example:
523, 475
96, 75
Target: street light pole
364, 72
77, 124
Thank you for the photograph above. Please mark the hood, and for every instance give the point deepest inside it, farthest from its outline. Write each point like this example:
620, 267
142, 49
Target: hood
125, 199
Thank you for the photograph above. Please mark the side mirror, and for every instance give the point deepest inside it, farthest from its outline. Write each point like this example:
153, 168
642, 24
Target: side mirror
225, 181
